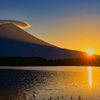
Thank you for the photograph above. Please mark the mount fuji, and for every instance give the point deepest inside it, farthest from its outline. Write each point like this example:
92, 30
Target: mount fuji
15, 42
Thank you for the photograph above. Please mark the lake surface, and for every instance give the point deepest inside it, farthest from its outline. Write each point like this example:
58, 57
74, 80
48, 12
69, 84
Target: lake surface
51, 82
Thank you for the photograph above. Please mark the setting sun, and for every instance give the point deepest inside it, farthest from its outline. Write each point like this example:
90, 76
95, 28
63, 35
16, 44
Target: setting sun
90, 52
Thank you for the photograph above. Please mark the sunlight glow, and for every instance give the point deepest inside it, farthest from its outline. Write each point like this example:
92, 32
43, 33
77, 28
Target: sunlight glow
90, 76
90, 52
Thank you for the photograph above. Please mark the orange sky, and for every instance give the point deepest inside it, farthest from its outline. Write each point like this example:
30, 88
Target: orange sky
76, 33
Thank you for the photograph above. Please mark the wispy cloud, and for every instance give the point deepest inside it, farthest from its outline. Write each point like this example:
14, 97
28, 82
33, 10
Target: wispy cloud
17, 23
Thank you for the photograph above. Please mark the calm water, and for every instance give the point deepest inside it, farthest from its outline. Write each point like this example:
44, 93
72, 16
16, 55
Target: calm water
52, 82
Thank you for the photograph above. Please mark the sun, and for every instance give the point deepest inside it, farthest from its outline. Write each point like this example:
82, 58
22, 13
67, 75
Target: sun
90, 52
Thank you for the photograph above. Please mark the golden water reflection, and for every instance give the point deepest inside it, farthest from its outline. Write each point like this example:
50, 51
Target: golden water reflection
55, 81
90, 76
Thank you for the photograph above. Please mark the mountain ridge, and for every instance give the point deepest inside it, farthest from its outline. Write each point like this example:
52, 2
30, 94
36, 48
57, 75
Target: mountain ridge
15, 42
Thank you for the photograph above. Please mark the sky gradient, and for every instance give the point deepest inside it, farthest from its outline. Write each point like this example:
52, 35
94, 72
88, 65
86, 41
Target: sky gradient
70, 24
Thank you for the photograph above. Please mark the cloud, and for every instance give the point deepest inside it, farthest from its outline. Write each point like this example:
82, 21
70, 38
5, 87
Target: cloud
17, 23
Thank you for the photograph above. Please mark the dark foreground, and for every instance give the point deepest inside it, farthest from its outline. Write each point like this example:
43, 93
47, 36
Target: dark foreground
23, 96
38, 61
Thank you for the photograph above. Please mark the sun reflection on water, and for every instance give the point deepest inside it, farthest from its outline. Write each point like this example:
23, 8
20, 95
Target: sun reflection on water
90, 76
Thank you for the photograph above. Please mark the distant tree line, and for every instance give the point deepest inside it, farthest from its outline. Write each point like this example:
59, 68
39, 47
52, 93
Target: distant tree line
38, 61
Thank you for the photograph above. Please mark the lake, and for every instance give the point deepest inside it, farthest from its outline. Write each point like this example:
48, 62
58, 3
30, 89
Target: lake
61, 81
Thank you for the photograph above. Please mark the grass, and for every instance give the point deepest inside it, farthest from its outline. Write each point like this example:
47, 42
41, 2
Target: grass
22, 96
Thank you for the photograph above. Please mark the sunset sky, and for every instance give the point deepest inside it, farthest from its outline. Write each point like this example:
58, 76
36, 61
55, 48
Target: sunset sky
70, 24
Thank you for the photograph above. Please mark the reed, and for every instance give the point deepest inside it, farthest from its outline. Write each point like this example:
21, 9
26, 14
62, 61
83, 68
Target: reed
22, 96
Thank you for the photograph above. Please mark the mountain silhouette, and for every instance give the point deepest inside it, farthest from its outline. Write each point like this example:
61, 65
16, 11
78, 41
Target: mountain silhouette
16, 42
